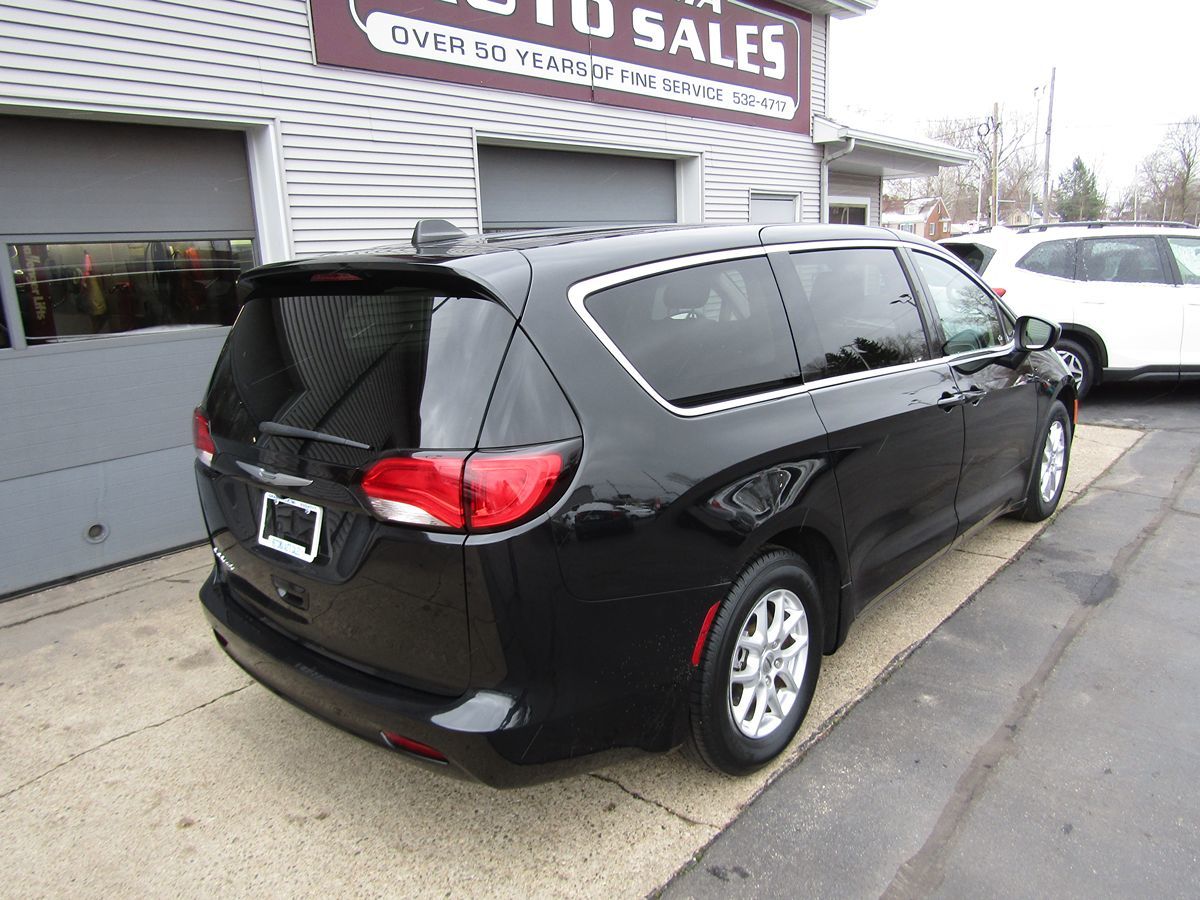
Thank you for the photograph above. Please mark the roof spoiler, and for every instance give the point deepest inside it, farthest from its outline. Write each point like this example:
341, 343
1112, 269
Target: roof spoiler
435, 231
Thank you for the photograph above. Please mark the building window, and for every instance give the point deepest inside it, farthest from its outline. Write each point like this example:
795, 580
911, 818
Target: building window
94, 288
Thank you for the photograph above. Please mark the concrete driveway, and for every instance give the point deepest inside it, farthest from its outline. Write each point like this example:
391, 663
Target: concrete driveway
138, 760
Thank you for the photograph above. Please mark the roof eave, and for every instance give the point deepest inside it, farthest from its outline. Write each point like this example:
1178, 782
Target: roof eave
904, 156
838, 9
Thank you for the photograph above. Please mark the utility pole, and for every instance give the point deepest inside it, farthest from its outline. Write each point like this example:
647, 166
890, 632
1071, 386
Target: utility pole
1046, 173
995, 164
1037, 119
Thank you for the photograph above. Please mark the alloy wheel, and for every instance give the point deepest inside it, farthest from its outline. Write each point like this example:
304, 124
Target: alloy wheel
1054, 459
768, 663
1074, 365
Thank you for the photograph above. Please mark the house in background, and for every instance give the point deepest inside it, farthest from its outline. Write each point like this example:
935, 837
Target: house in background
926, 216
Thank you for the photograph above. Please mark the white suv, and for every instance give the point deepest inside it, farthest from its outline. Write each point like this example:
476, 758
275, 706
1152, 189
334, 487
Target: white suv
1127, 294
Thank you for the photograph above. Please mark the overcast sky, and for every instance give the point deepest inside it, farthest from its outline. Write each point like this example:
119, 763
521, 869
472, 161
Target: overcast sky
1125, 71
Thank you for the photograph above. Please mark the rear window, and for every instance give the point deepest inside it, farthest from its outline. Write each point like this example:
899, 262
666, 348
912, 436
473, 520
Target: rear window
403, 369
702, 333
1055, 258
977, 256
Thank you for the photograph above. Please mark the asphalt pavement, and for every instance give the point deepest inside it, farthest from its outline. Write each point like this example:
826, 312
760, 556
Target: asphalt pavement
1044, 741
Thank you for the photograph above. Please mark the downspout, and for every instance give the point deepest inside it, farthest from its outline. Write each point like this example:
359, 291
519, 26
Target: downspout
830, 157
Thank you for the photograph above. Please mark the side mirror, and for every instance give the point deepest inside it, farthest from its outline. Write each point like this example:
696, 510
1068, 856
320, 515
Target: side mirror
1036, 334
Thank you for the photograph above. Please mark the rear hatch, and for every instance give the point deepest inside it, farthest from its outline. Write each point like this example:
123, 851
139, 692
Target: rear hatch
326, 374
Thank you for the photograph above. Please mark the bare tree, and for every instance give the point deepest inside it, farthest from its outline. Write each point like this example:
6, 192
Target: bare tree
1168, 183
965, 189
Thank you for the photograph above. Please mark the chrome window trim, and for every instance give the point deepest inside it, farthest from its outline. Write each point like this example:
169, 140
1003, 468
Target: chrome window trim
580, 291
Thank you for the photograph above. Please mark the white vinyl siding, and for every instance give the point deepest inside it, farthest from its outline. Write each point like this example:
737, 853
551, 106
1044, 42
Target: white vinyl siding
820, 54
338, 159
364, 155
842, 184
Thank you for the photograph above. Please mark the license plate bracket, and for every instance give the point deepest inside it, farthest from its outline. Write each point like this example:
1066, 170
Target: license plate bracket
289, 526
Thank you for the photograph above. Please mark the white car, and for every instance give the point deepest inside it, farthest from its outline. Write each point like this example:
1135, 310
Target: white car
1127, 294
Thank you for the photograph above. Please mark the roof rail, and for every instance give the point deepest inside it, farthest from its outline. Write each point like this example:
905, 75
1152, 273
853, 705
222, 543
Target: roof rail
1028, 229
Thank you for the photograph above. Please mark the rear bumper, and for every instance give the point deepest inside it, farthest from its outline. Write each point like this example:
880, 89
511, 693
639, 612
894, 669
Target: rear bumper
485, 734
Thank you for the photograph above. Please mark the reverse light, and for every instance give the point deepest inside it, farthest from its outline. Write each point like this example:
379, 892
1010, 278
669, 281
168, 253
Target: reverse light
202, 438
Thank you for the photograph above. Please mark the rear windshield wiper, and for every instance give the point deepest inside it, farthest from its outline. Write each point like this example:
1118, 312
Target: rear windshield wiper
303, 433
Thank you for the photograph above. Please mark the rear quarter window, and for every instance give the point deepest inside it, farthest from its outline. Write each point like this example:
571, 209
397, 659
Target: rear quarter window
702, 333
1055, 258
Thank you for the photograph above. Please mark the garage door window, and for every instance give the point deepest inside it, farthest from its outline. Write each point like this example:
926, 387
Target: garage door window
78, 289
701, 334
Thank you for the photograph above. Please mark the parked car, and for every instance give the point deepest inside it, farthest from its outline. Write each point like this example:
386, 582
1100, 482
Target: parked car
502, 503
1126, 293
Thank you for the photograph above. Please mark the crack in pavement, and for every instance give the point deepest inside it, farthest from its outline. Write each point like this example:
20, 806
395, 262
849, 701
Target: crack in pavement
129, 587
922, 873
651, 801
121, 737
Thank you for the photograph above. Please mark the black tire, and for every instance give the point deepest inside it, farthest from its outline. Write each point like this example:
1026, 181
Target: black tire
1049, 465
1079, 362
779, 580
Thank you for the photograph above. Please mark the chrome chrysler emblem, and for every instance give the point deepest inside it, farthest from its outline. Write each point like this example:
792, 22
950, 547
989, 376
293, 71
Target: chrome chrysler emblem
276, 478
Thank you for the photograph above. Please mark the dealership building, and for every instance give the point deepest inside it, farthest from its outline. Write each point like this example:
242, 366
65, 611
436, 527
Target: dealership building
152, 149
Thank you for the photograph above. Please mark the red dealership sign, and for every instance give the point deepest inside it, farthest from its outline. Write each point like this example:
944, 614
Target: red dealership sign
717, 59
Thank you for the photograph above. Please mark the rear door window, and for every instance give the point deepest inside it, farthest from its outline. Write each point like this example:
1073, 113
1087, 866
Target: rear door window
1122, 259
864, 312
701, 333
1055, 258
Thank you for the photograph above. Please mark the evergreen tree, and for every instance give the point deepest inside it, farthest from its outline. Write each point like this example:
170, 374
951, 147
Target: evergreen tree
1076, 198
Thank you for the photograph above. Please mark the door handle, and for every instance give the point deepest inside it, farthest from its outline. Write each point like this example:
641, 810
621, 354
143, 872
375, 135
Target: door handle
949, 401
973, 395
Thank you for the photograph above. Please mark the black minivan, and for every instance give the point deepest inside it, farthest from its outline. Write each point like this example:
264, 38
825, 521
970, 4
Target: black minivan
500, 503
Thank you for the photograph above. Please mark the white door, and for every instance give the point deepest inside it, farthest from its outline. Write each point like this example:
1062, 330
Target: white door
1186, 251
1127, 297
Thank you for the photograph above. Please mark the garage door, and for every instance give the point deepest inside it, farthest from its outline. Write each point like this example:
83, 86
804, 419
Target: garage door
525, 188
121, 246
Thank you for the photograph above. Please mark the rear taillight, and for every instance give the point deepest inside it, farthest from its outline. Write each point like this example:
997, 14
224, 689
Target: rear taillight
505, 488
417, 490
1000, 292
482, 492
202, 438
